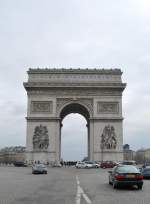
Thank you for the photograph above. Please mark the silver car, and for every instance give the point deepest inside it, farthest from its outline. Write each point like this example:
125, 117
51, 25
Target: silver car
80, 165
39, 169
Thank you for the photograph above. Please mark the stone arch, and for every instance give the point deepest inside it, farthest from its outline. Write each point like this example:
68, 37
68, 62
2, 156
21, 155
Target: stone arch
94, 93
74, 107
87, 103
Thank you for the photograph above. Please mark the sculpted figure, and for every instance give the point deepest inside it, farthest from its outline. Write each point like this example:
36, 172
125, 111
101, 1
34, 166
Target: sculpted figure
108, 138
40, 137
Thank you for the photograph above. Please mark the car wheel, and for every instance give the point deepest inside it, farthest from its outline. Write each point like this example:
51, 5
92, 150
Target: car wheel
140, 187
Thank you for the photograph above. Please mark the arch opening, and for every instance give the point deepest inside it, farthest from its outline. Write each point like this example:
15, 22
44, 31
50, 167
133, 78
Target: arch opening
75, 108
74, 145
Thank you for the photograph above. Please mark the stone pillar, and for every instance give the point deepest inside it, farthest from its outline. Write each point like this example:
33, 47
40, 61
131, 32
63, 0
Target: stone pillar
101, 153
44, 155
57, 140
91, 140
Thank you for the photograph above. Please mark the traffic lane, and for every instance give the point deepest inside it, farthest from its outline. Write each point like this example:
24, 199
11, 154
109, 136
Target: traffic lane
95, 184
58, 187
19, 186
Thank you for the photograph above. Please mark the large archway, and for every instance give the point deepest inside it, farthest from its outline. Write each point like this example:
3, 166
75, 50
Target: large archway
74, 138
80, 109
94, 93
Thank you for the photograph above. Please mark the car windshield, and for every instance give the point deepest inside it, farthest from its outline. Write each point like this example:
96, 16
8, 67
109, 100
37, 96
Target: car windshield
129, 162
148, 164
127, 169
40, 166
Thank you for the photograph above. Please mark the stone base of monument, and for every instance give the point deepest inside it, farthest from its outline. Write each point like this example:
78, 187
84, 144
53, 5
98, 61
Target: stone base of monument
108, 156
40, 156
50, 157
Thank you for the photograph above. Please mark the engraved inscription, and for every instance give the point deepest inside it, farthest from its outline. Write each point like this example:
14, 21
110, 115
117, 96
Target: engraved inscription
107, 107
41, 107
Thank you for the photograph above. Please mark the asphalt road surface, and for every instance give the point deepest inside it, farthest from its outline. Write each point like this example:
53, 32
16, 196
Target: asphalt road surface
66, 185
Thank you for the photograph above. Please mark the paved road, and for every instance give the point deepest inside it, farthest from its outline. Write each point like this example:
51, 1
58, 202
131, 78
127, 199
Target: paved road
65, 186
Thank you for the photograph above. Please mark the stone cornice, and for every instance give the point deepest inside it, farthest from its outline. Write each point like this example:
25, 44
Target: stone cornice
34, 151
106, 151
42, 119
114, 119
28, 85
74, 71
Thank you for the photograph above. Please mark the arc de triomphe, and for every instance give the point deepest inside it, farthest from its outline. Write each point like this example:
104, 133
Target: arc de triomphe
94, 93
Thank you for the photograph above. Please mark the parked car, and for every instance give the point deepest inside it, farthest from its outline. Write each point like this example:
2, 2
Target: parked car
89, 164
107, 164
125, 175
39, 169
147, 164
56, 164
20, 164
80, 165
96, 165
146, 172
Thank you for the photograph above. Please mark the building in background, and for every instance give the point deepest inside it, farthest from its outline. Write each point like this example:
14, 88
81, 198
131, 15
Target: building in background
140, 156
9, 155
143, 155
128, 154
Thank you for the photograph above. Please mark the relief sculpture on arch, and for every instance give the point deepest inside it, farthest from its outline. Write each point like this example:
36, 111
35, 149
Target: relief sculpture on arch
108, 138
40, 138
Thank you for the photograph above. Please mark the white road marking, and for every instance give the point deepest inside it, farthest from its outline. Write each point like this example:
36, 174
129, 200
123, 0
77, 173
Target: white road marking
80, 193
77, 179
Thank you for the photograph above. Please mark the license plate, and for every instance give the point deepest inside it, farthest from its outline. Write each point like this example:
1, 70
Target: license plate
130, 176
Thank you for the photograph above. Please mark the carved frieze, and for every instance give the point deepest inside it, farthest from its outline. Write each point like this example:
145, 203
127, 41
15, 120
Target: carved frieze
74, 77
108, 138
40, 138
42, 107
107, 107
77, 92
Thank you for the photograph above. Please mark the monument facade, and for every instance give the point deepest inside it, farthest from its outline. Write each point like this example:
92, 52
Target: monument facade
94, 93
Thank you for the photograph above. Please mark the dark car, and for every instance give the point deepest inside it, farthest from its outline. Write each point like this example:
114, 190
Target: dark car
20, 164
107, 164
125, 175
39, 169
146, 172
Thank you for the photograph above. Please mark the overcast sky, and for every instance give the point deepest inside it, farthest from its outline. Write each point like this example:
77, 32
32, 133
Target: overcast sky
75, 33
